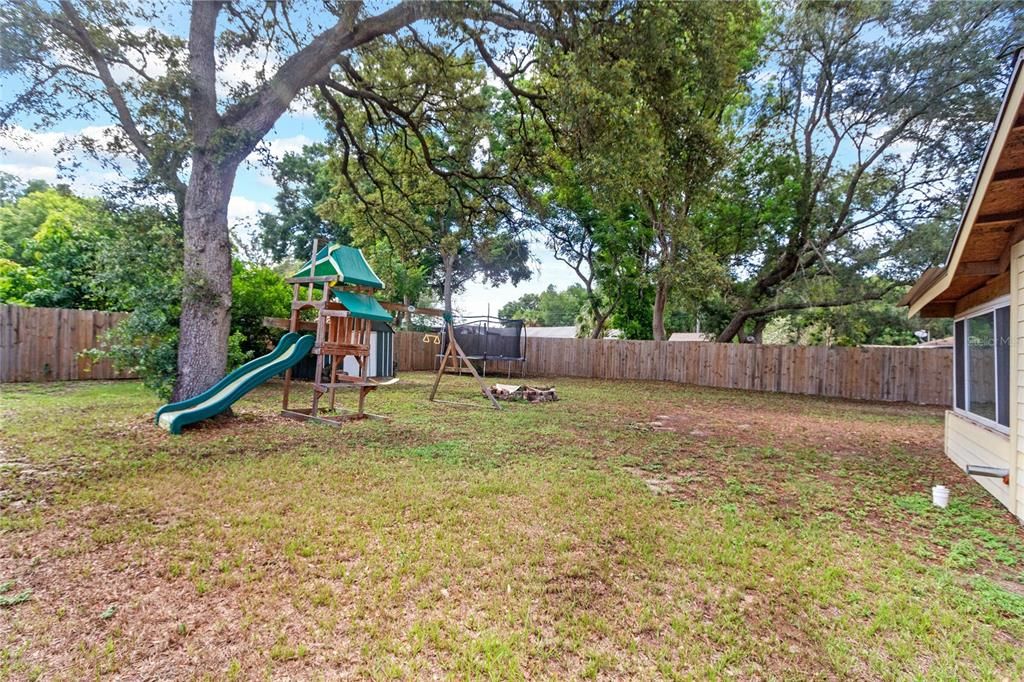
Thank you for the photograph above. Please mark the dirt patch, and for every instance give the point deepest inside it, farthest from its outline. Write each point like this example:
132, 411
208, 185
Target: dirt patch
737, 426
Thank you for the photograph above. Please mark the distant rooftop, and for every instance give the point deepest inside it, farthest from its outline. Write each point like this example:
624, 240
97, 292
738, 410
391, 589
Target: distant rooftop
688, 336
551, 332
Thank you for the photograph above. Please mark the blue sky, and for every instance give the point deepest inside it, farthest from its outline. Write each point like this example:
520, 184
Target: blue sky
31, 153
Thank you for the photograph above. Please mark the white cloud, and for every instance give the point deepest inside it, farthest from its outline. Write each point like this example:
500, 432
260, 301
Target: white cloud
32, 155
242, 68
284, 145
243, 213
276, 148
244, 209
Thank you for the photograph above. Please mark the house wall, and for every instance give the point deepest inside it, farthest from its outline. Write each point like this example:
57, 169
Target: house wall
1016, 487
968, 442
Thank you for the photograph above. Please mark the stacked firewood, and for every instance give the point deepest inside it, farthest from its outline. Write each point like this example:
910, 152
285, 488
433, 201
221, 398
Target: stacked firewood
533, 394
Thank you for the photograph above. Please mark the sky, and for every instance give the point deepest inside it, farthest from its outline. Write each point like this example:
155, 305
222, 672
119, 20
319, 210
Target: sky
35, 154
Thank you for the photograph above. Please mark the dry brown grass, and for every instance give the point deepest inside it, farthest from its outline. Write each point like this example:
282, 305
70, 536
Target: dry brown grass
788, 538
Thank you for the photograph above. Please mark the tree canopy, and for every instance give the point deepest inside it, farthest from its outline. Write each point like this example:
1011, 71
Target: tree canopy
723, 165
857, 150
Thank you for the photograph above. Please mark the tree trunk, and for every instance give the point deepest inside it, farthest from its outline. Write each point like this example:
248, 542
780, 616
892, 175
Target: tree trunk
597, 319
206, 290
734, 327
658, 319
449, 271
758, 334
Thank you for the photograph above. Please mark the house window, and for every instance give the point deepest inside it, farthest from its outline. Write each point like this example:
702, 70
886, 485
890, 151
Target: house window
982, 365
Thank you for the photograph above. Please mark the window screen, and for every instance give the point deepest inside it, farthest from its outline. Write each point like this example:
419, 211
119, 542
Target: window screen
982, 365
1003, 366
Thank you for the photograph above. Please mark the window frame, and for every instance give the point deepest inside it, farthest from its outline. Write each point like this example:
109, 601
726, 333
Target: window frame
989, 307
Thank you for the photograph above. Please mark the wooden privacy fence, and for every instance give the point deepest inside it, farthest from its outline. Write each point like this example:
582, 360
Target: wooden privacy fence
43, 344
899, 374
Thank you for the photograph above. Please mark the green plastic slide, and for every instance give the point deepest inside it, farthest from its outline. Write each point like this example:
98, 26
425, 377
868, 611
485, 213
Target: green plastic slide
219, 397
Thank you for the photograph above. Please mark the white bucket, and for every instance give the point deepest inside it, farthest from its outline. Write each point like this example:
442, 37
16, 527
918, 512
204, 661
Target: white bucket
940, 496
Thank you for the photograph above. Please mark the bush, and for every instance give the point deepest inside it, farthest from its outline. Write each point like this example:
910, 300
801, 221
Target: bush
146, 343
257, 292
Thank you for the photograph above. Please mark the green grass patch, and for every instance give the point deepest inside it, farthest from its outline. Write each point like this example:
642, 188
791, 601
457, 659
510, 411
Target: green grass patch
755, 536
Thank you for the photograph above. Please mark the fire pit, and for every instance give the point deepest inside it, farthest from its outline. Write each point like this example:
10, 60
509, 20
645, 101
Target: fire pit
532, 394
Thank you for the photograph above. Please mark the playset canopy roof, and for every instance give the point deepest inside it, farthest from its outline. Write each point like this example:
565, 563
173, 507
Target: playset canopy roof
345, 262
361, 305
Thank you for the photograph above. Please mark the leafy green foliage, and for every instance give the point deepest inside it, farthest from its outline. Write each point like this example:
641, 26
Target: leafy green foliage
51, 239
303, 185
856, 152
424, 179
78, 253
633, 317
641, 105
257, 292
869, 322
146, 343
549, 308
16, 282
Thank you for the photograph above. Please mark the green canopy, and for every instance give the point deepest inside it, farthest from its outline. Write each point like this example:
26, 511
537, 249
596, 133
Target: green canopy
344, 262
361, 305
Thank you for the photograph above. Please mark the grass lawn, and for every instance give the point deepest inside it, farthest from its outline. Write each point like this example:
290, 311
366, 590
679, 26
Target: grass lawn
630, 530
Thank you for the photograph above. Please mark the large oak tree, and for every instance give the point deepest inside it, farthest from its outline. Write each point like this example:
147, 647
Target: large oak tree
188, 127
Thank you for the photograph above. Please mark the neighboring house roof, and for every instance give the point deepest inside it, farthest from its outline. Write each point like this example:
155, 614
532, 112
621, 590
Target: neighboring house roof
346, 263
978, 263
687, 336
946, 342
551, 332
936, 343
361, 305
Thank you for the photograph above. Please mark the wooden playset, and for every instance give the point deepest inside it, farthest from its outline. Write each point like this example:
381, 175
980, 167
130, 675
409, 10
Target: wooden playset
338, 284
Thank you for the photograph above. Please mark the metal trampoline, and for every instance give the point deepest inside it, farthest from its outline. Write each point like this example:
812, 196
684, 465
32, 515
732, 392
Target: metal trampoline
489, 339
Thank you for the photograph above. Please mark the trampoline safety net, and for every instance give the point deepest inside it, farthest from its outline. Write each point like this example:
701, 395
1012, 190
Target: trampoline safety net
490, 339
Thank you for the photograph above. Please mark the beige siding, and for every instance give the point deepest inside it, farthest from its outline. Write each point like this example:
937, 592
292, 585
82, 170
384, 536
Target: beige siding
1017, 378
967, 442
